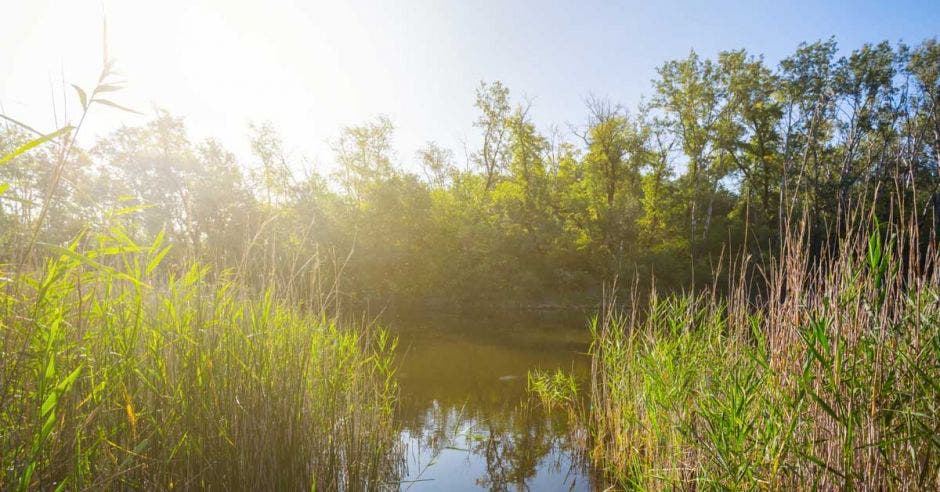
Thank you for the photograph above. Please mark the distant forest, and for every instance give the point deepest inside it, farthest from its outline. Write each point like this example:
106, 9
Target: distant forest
710, 166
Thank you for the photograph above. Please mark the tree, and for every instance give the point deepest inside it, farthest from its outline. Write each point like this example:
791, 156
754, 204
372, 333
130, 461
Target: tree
273, 175
747, 135
153, 166
437, 164
364, 155
493, 102
688, 94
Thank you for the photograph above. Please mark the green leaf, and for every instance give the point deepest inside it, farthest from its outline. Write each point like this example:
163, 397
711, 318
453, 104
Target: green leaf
825, 406
27, 476
94, 264
34, 143
820, 463
157, 241
124, 238
157, 259
130, 210
68, 253
49, 403
50, 369
4, 187
66, 383
48, 424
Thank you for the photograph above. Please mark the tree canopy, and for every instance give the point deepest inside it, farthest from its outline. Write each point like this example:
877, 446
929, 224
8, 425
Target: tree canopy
723, 152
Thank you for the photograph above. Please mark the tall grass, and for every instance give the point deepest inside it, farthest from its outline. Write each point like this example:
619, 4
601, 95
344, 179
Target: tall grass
116, 374
816, 373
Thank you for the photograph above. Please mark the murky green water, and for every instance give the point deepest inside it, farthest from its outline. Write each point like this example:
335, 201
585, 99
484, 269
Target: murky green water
467, 422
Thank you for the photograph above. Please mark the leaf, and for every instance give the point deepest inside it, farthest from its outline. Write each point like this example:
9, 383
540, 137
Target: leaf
81, 96
115, 105
820, 463
3, 188
136, 452
825, 406
124, 238
62, 485
20, 124
94, 264
926, 377
34, 143
27, 476
66, 383
49, 423
107, 88
50, 369
157, 241
68, 253
130, 210
874, 250
49, 404
157, 259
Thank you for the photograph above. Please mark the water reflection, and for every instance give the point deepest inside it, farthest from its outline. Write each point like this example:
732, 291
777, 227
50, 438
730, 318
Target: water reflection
467, 423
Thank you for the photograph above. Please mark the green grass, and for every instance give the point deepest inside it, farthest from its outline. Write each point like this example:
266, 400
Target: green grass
813, 374
117, 374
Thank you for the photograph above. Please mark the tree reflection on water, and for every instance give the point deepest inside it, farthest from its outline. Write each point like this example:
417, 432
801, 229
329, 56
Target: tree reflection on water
467, 421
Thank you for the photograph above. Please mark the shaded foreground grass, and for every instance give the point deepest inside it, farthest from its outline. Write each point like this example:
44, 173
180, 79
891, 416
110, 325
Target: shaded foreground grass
814, 373
116, 375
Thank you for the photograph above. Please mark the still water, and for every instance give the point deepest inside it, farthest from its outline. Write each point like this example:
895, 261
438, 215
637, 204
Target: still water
467, 422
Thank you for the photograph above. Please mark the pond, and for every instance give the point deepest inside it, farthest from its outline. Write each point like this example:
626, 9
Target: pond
467, 421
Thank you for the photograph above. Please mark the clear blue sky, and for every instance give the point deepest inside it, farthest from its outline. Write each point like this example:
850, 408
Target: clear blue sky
312, 67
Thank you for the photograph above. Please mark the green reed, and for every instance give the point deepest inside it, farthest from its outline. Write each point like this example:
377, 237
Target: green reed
116, 374
816, 373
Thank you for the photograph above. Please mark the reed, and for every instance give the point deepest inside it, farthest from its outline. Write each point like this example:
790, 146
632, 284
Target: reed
814, 373
119, 374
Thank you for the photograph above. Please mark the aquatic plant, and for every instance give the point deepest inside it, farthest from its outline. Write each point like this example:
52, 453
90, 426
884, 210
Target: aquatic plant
118, 373
814, 373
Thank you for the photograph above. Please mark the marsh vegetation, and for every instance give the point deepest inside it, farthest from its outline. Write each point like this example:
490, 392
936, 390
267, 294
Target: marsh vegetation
174, 316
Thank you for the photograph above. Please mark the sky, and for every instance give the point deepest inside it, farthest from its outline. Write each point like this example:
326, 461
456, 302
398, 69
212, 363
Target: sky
312, 67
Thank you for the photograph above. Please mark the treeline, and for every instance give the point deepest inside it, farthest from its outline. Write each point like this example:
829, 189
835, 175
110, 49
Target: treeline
711, 165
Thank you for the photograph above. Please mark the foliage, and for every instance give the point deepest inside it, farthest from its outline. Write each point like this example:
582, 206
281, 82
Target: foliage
819, 374
117, 374
724, 151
